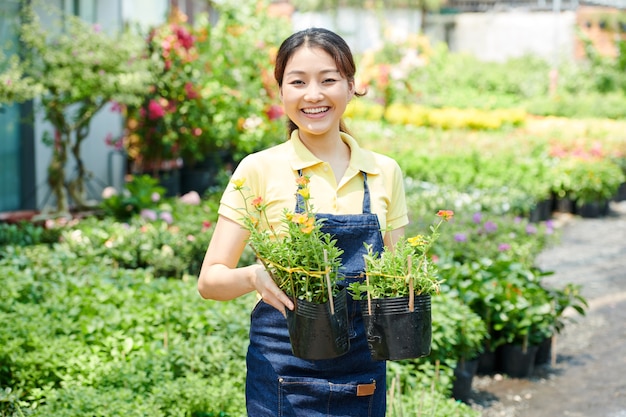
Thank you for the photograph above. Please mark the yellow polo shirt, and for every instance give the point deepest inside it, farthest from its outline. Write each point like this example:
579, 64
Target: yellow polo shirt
271, 174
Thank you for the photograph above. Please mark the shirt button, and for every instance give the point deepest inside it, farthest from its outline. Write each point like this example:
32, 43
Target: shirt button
325, 168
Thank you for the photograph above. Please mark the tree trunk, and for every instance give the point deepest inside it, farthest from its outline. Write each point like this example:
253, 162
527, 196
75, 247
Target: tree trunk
76, 187
56, 172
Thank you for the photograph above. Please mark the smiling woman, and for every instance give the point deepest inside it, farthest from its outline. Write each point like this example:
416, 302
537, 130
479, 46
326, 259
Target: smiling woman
356, 194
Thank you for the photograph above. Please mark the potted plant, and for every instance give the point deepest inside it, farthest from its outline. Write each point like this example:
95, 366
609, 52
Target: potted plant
459, 336
304, 262
588, 183
562, 300
396, 296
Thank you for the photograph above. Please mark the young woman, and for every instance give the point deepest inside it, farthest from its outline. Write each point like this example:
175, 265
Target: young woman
362, 197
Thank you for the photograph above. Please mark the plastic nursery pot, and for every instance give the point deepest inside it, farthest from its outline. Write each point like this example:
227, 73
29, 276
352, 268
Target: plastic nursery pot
395, 333
464, 373
487, 362
516, 361
544, 352
315, 333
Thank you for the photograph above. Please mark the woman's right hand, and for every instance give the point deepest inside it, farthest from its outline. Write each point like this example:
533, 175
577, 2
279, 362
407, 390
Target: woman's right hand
221, 279
269, 291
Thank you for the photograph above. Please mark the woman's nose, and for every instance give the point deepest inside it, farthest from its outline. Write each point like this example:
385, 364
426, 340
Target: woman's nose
313, 92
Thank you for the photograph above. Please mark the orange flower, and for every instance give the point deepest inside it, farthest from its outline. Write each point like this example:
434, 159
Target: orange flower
308, 226
303, 181
258, 203
445, 214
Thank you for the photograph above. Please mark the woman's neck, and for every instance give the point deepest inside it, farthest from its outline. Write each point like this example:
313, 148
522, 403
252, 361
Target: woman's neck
332, 150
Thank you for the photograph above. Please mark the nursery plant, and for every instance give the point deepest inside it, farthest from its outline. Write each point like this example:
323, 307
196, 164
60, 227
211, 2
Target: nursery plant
405, 270
303, 261
459, 333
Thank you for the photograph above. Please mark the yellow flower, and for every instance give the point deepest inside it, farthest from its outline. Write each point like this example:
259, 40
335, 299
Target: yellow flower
299, 218
418, 240
238, 183
304, 192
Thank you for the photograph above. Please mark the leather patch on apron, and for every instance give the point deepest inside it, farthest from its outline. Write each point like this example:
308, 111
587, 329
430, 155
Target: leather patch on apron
363, 390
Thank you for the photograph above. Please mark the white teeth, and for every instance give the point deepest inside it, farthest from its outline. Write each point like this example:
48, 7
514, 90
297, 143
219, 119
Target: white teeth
315, 110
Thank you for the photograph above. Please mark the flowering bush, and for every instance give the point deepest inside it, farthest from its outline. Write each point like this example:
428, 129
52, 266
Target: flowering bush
140, 194
394, 273
386, 71
481, 235
302, 260
211, 93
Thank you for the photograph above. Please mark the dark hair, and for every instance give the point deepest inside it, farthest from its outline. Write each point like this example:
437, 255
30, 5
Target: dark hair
328, 41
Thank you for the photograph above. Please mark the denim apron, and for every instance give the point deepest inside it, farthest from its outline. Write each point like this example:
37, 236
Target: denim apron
280, 384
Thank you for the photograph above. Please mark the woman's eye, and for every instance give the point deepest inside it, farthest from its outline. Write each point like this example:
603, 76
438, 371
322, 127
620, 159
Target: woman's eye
296, 82
330, 80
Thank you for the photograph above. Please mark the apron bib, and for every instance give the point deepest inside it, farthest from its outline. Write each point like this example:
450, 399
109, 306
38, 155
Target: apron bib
280, 384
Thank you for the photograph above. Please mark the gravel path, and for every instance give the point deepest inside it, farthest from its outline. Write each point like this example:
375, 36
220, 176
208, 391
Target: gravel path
588, 378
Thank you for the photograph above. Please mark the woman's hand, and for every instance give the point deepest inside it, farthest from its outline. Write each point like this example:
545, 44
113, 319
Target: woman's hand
269, 291
221, 279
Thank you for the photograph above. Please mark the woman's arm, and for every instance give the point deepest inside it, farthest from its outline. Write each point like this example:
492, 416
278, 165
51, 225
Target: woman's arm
390, 238
220, 279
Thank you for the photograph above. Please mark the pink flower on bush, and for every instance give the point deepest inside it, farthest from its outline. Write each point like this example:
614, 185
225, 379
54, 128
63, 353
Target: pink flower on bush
503, 247
155, 111
191, 92
116, 107
167, 217
148, 214
191, 198
275, 112
184, 37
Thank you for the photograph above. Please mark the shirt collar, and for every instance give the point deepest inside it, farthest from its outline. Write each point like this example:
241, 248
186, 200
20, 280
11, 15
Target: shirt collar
360, 159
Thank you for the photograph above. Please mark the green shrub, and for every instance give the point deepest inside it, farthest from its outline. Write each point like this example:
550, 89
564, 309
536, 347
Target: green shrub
115, 337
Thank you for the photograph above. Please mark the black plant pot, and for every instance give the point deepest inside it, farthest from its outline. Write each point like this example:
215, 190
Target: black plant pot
593, 209
621, 191
395, 333
463, 376
315, 333
487, 363
565, 205
542, 211
203, 175
544, 352
517, 362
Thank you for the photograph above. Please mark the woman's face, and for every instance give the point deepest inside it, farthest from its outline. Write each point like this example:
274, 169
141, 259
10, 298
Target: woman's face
314, 93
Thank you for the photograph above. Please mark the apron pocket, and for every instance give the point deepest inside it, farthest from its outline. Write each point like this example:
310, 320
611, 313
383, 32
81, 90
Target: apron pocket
320, 398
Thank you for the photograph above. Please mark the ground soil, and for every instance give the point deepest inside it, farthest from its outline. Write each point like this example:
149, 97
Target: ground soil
587, 377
